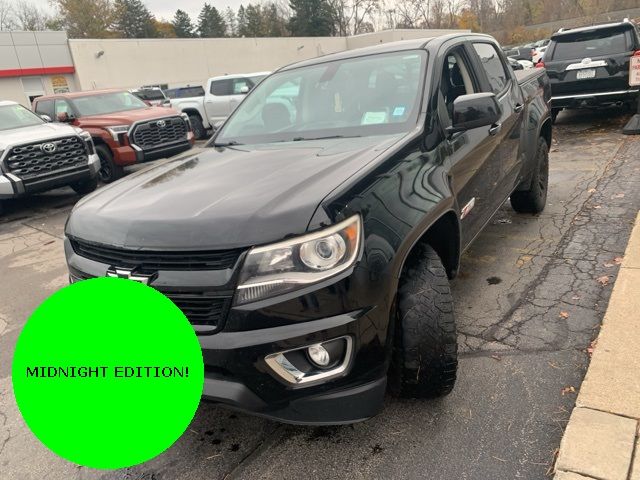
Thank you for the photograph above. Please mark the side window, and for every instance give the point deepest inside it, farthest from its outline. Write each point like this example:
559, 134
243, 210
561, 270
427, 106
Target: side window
221, 88
456, 80
493, 66
62, 106
239, 84
45, 107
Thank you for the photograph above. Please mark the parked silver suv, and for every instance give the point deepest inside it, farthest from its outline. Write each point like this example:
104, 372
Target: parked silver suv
36, 155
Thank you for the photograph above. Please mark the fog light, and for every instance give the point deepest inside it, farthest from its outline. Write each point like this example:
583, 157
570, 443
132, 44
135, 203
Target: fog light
319, 355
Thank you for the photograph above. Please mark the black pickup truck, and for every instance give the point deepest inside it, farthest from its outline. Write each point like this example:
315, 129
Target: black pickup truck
312, 244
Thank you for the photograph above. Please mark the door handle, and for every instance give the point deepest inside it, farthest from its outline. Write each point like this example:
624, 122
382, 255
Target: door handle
518, 108
495, 129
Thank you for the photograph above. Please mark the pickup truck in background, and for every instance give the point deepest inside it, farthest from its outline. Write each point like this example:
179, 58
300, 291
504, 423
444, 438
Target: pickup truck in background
588, 67
221, 97
36, 156
311, 244
125, 130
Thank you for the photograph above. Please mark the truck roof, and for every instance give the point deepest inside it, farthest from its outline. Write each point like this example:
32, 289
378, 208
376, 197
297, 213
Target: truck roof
84, 93
402, 45
586, 28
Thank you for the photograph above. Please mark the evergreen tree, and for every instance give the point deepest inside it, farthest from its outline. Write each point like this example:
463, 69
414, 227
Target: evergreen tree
182, 24
132, 19
242, 22
211, 23
254, 21
231, 21
311, 18
275, 23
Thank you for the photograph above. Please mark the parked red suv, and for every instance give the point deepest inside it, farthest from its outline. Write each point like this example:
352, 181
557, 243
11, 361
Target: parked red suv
124, 128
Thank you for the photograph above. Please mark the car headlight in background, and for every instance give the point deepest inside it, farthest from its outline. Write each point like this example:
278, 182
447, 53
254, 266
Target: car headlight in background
86, 137
292, 264
117, 130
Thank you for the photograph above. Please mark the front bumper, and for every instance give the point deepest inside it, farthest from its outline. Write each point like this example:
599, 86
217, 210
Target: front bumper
237, 374
592, 100
12, 187
131, 154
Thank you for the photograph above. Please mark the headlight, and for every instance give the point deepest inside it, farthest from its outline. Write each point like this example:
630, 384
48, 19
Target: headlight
293, 264
116, 130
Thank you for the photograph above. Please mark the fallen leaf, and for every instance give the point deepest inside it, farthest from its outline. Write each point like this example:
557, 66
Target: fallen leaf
555, 150
591, 190
575, 297
567, 390
597, 207
496, 357
564, 315
592, 347
603, 280
618, 260
618, 195
609, 265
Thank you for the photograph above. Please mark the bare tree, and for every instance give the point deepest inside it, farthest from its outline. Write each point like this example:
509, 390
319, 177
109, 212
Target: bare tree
354, 16
30, 17
6, 16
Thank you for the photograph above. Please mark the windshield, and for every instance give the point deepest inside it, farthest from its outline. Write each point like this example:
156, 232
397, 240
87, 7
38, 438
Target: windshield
104, 103
372, 95
592, 44
16, 116
184, 92
149, 94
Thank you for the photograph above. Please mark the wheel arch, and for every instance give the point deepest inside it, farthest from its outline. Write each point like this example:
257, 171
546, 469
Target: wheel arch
443, 235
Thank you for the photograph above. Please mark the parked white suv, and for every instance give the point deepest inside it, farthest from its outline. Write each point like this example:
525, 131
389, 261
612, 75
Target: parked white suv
36, 155
222, 96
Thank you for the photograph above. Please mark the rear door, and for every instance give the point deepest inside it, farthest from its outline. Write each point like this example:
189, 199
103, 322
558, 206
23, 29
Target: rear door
216, 102
500, 80
591, 61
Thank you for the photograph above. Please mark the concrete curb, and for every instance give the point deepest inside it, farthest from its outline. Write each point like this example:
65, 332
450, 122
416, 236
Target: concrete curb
601, 440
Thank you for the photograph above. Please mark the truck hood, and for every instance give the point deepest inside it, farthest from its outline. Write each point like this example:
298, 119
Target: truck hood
224, 197
46, 131
127, 117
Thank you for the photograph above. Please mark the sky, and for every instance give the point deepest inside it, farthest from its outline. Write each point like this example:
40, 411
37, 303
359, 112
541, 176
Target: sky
166, 8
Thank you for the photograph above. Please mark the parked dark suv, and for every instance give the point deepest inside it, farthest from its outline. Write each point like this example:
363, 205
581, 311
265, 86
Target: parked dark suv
589, 66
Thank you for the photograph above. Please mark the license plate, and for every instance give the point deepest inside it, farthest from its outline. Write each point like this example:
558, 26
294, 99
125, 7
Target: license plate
586, 73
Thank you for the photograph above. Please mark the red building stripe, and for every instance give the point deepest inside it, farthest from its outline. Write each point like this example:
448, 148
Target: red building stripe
25, 72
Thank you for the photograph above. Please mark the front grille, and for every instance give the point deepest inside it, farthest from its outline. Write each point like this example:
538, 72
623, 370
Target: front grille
159, 132
44, 158
154, 260
201, 309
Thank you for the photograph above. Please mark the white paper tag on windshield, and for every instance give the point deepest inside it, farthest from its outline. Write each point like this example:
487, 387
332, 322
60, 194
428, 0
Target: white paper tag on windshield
373, 118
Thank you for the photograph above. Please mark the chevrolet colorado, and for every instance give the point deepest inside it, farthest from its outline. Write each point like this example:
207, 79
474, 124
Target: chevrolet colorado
312, 244
36, 155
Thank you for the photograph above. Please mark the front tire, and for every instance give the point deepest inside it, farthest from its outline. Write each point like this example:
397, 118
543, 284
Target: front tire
198, 128
535, 199
86, 186
109, 171
425, 357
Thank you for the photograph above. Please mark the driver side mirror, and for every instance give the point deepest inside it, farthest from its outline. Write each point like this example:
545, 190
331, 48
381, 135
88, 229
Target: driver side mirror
64, 117
474, 111
244, 90
46, 118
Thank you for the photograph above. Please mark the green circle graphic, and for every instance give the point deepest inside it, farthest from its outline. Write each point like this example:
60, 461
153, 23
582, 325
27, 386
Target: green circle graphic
108, 373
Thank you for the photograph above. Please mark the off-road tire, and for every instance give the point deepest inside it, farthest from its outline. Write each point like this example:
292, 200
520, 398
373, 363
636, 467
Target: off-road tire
109, 171
86, 186
535, 199
198, 128
554, 114
425, 356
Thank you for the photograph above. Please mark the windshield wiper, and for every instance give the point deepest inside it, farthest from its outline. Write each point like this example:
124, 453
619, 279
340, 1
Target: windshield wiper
232, 143
304, 139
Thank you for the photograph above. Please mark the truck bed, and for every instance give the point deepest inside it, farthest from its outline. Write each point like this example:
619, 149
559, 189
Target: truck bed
524, 76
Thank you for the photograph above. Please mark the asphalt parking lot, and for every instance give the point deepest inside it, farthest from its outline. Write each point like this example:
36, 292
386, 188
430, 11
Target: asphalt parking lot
529, 300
